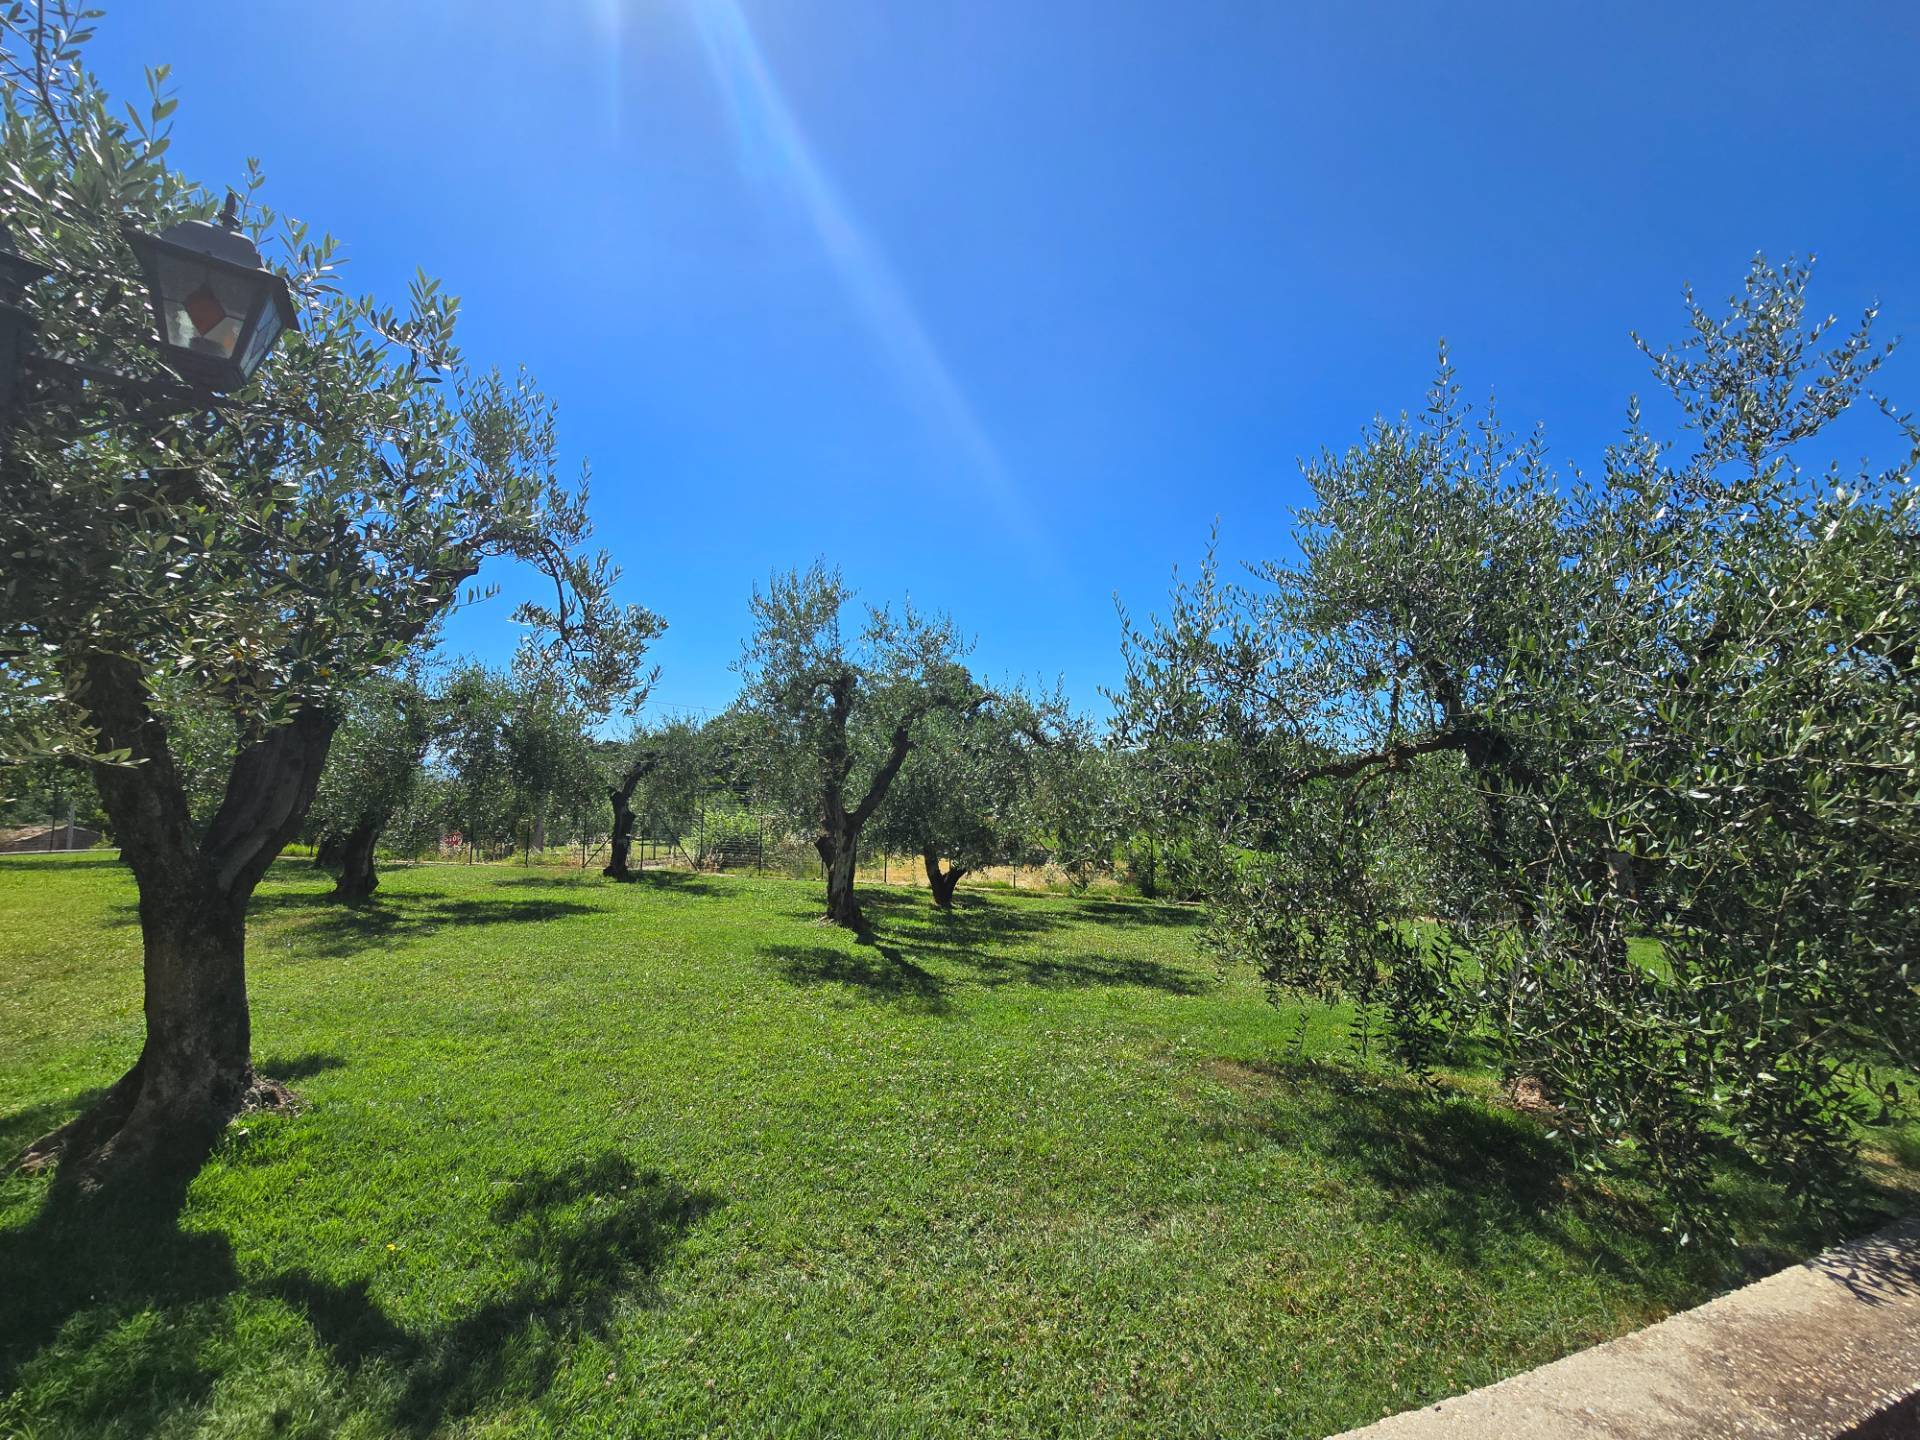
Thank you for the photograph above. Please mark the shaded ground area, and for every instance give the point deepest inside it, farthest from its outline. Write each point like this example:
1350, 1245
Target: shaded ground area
582, 1240
327, 929
915, 954
670, 1157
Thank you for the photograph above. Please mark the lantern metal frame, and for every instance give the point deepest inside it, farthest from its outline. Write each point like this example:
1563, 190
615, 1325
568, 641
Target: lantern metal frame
223, 249
16, 323
26, 370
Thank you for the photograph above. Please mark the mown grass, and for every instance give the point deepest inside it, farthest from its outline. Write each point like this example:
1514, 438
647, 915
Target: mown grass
671, 1159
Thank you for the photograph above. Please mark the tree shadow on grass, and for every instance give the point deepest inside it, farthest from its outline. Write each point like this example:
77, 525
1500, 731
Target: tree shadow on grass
680, 882
684, 882
894, 972
291, 1068
68, 860
1079, 970
977, 917
589, 1236
319, 926
78, 1272
1458, 1176
999, 944
974, 919
885, 973
1158, 914
995, 942
27, 1124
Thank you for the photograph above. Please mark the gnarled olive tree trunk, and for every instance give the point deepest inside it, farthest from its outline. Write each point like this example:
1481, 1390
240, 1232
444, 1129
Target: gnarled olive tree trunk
838, 852
941, 882
620, 846
195, 1070
350, 857
839, 838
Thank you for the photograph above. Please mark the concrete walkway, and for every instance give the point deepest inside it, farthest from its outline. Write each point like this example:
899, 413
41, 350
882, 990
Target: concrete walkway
1828, 1348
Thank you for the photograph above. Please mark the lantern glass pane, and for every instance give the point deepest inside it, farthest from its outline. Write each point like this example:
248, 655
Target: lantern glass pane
204, 306
265, 331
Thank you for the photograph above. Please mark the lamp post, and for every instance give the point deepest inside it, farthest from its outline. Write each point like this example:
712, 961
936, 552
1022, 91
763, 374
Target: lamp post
217, 311
16, 324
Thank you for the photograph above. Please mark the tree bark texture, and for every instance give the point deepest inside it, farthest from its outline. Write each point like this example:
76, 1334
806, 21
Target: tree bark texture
941, 882
839, 839
195, 1070
621, 798
327, 853
840, 827
352, 860
839, 852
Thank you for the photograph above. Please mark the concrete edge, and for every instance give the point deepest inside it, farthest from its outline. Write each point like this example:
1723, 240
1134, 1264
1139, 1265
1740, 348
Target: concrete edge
1827, 1348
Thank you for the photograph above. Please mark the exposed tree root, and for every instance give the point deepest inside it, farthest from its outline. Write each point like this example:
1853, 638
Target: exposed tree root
132, 1133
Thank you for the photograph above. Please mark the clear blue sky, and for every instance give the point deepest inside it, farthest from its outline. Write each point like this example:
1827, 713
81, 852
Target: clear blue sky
1002, 303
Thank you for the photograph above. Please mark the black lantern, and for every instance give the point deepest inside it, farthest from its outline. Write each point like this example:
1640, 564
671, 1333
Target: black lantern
217, 307
16, 325
16, 271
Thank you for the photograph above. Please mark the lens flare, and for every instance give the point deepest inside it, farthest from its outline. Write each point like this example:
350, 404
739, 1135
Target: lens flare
774, 151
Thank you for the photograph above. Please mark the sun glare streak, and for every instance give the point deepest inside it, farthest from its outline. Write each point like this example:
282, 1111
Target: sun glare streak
774, 150
610, 20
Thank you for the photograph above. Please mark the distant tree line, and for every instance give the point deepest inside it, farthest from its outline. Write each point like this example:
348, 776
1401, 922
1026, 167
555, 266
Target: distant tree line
877, 734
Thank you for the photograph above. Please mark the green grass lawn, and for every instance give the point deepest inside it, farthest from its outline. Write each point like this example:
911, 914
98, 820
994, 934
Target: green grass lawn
670, 1158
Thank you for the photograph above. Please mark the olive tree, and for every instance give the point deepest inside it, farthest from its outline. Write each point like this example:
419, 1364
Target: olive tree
516, 751
469, 752
373, 770
550, 766
834, 715
254, 563
663, 764
1618, 772
966, 796
46, 792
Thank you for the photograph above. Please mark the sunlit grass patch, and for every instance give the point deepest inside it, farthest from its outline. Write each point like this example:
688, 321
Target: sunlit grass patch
670, 1157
